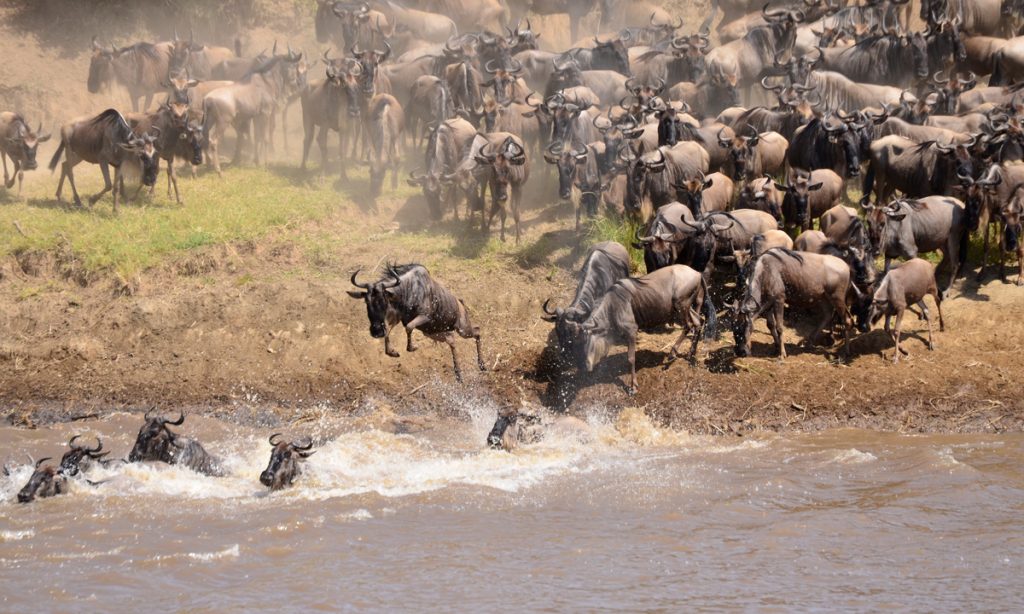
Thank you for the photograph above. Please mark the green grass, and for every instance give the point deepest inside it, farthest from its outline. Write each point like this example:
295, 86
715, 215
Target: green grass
624, 231
246, 204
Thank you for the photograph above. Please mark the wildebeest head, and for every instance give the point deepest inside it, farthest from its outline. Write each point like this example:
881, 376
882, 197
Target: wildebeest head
567, 161
944, 42
352, 16
689, 51
502, 160
691, 193
977, 192
566, 74
1012, 213
702, 237
568, 329
522, 39
45, 482
797, 190
742, 150
155, 441
503, 80
638, 169
79, 457
378, 297
369, 60
101, 66
847, 136
23, 144
284, 465
610, 55
142, 147
504, 434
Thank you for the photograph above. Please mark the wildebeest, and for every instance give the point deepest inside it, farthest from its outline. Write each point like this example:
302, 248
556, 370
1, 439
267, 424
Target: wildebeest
705, 195
809, 195
45, 482
837, 145
80, 458
756, 155
141, 68
907, 228
19, 143
782, 277
915, 169
386, 124
653, 174
331, 105
508, 169
408, 294
675, 294
744, 59
157, 442
250, 103
605, 55
905, 285
107, 140
662, 243
1012, 215
198, 59
514, 427
178, 136
285, 462
606, 263
608, 85
443, 155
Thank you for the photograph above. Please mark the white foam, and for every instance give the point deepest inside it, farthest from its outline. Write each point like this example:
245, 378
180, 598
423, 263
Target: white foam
853, 456
14, 536
230, 552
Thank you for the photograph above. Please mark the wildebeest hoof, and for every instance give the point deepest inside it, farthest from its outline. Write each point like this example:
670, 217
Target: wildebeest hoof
1020, 282
631, 391
392, 353
482, 366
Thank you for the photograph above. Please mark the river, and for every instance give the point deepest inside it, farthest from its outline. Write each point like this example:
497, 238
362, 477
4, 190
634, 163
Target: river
632, 517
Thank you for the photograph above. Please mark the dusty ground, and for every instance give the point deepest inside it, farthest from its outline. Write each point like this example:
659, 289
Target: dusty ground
264, 330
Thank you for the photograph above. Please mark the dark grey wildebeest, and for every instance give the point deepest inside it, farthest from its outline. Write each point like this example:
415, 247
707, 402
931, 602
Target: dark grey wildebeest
606, 263
285, 462
675, 294
386, 123
107, 140
408, 294
45, 482
156, 442
905, 285
443, 155
179, 135
19, 143
508, 168
782, 277
80, 458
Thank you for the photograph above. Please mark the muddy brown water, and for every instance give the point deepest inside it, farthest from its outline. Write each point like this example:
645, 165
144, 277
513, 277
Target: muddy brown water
630, 517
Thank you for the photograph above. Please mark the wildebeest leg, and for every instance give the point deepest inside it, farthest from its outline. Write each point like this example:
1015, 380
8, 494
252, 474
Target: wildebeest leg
928, 319
449, 338
387, 343
631, 356
395, 163
775, 320
416, 322
984, 254
107, 186
118, 185
1020, 261
21, 177
896, 337
321, 142
8, 182
172, 177
517, 195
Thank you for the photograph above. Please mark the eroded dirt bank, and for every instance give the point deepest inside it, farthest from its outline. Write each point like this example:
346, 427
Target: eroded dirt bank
265, 332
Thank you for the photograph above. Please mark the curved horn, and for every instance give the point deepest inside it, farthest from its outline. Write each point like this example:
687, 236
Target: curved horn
272, 439
487, 67
302, 448
98, 448
181, 418
355, 282
42, 460
937, 80
773, 13
544, 307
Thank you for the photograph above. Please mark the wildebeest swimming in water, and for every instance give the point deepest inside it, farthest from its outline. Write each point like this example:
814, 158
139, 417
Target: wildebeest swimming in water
285, 462
525, 426
50, 481
156, 442
408, 294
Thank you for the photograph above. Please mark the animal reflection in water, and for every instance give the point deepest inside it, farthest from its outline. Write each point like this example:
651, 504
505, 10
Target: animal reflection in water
519, 426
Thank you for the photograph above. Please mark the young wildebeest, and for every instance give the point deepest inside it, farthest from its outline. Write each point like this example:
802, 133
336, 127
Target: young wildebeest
156, 442
107, 140
904, 285
19, 143
45, 482
409, 295
1012, 214
782, 276
177, 137
675, 294
808, 196
285, 463
386, 124
605, 264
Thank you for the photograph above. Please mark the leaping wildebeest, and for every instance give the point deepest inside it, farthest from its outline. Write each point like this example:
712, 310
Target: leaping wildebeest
19, 143
408, 294
675, 294
285, 462
156, 442
107, 140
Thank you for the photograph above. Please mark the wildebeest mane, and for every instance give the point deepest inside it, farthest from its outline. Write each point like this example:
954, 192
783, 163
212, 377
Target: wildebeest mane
112, 118
776, 251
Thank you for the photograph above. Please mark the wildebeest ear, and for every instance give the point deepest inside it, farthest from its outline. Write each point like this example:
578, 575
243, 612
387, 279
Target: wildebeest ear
548, 318
813, 187
529, 114
356, 294
779, 186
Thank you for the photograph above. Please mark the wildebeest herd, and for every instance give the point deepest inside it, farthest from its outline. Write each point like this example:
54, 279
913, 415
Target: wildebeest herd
745, 208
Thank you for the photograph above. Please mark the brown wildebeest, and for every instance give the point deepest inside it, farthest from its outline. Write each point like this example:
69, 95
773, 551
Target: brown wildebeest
905, 285
509, 169
250, 103
285, 462
514, 427
198, 59
156, 442
179, 136
331, 105
386, 125
19, 143
107, 140
45, 482
1012, 214
675, 294
141, 68
408, 294
782, 276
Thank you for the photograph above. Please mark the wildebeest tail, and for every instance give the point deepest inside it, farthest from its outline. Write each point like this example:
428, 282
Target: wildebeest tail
869, 180
55, 160
965, 241
997, 77
709, 311
238, 46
